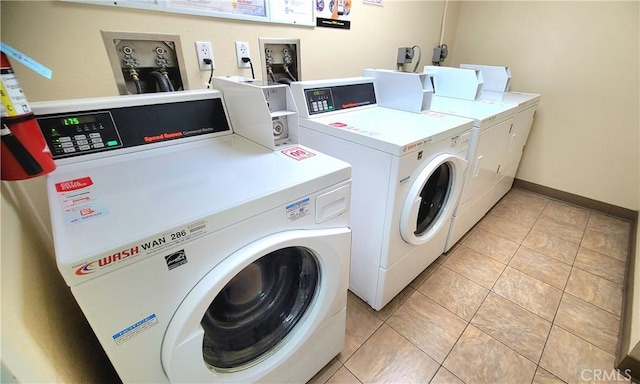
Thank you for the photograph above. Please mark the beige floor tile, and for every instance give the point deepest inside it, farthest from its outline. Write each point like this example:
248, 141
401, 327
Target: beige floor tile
454, 292
361, 324
427, 325
443, 376
595, 290
325, 373
567, 214
600, 265
343, 376
551, 225
475, 266
489, 244
573, 359
394, 304
591, 323
542, 267
516, 327
504, 227
422, 277
612, 244
544, 377
603, 223
529, 293
560, 249
520, 208
387, 357
479, 358
527, 199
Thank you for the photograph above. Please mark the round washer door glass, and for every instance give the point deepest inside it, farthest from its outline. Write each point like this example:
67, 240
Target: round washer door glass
434, 196
259, 307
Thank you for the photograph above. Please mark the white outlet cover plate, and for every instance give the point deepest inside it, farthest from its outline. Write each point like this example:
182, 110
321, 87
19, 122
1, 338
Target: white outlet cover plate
242, 50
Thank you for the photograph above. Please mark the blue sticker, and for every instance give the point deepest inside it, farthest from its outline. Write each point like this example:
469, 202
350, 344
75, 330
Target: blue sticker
26, 60
135, 329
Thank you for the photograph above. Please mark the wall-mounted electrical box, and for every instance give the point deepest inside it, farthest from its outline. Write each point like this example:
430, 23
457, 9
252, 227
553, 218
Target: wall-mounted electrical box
145, 62
280, 60
261, 112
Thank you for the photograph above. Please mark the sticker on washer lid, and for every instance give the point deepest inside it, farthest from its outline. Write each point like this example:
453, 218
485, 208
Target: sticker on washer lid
434, 114
298, 210
297, 153
135, 329
78, 201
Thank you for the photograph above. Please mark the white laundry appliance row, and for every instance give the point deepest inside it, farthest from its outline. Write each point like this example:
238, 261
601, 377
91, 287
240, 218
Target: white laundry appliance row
407, 177
196, 254
502, 121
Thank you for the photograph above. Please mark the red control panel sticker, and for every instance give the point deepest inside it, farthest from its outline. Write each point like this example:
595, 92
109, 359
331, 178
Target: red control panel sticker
338, 125
74, 185
298, 153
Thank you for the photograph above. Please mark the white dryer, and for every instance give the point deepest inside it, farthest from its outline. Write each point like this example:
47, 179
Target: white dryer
407, 177
527, 105
497, 81
195, 254
493, 123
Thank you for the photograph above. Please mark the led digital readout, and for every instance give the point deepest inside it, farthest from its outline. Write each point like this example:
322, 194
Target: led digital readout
75, 120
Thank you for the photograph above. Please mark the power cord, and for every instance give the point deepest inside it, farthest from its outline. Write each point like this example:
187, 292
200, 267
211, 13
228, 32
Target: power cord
248, 60
208, 61
415, 68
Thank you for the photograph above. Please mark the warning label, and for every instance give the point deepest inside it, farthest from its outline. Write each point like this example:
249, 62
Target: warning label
298, 210
78, 201
135, 329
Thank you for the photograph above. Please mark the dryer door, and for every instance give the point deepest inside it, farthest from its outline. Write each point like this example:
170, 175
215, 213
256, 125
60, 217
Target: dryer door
432, 198
251, 312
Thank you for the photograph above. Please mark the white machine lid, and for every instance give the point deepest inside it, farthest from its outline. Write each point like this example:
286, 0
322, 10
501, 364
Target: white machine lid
389, 130
144, 194
481, 111
523, 100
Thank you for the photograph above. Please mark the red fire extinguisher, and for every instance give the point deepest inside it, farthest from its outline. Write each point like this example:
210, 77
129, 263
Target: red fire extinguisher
24, 152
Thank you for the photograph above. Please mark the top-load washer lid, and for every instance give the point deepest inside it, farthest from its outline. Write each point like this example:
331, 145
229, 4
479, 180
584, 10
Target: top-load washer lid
389, 130
347, 108
131, 202
523, 100
135, 204
482, 111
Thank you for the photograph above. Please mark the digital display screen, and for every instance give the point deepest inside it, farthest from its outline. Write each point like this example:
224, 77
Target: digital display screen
75, 120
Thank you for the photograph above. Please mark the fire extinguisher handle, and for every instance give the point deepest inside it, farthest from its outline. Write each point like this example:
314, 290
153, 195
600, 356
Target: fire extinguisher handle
24, 158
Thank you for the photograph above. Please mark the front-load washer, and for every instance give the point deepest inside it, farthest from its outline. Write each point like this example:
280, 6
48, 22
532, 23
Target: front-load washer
195, 254
407, 177
492, 126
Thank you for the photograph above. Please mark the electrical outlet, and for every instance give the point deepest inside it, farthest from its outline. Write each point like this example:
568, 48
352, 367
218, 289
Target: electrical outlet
204, 51
242, 50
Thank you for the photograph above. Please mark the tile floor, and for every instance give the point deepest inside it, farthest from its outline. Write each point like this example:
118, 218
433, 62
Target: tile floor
532, 294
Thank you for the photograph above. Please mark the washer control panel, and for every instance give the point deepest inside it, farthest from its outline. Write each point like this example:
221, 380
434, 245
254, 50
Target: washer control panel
72, 134
335, 98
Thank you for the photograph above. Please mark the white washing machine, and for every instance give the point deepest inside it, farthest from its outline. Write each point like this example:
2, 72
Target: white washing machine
493, 123
407, 176
496, 84
195, 254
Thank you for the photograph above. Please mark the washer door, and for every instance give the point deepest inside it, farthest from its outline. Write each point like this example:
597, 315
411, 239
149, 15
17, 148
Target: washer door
253, 310
432, 198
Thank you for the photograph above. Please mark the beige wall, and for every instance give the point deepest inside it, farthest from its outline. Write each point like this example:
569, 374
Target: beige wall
66, 38
44, 336
583, 57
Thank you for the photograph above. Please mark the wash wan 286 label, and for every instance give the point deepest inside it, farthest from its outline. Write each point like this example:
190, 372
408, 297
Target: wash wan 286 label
150, 246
